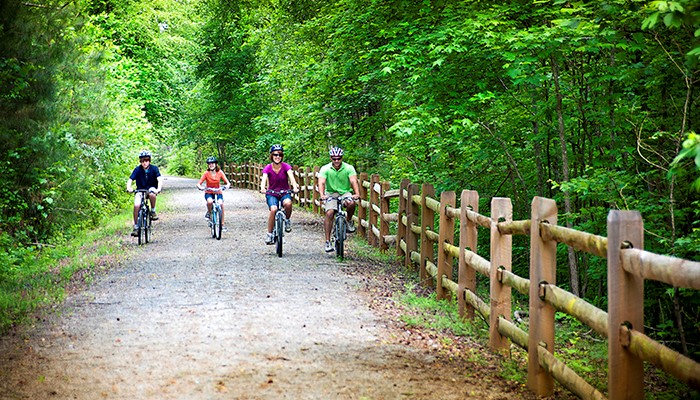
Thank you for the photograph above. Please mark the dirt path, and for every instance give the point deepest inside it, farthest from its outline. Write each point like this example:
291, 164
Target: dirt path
189, 317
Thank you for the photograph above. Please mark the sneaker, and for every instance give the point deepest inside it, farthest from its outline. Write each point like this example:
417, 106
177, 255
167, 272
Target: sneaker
154, 217
269, 238
329, 247
135, 232
351, 226
207, 215
287, 225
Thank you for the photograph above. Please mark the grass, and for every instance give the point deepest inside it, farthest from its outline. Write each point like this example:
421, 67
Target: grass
38, 278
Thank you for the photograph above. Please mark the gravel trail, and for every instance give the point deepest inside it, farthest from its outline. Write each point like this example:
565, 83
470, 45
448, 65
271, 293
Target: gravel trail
190, 317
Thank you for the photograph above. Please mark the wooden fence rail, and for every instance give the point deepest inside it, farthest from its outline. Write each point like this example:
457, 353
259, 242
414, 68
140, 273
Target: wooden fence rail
416, 239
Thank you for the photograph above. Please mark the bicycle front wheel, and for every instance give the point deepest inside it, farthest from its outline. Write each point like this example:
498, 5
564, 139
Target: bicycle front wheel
214, 221
147, 226
279, 232
142, 226
219, 223
340, 237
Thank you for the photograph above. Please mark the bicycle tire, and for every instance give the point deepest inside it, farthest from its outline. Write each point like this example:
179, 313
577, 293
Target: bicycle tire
141, 227
219, 223
340, 236
213, 219
147, 226
279, 232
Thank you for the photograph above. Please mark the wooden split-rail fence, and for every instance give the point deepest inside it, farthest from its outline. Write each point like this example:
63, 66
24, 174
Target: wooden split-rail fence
416, 239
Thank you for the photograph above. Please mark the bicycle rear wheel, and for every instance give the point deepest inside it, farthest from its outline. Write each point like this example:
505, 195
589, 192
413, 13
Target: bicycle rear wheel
279, 232
340, 236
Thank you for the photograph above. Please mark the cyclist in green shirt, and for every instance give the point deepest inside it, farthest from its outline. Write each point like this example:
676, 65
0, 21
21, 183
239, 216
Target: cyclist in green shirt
335, 179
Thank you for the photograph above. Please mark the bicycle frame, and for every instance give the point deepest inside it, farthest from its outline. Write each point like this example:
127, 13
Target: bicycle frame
143, 220
339, 231
280, 216
216, 223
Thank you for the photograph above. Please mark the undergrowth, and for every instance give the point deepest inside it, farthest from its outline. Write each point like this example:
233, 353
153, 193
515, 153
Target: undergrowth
582, 349
39, 277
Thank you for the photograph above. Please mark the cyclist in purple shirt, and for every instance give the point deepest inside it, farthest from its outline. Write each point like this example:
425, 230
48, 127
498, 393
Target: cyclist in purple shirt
146, 176
276, 177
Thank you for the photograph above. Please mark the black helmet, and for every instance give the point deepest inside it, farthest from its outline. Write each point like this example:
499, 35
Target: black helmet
145, 154
276, 147
211, 159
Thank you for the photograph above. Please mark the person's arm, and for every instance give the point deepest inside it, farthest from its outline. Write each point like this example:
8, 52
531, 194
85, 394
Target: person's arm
322, 187
263, 183
128, 185
355, 186
293, 181
226, 181
160, 184
199, 184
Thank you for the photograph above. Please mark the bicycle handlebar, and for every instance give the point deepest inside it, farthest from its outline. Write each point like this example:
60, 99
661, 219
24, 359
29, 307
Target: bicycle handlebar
141, 191
219, 189
341, 198
279, 192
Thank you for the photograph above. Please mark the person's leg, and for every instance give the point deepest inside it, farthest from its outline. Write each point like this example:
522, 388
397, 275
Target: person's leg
349, 209
137, 206
221, 203
287, 203
328, 223
210, 204
152, 197
271, 219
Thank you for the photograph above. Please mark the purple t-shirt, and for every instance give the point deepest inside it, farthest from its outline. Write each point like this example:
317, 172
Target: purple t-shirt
277, 181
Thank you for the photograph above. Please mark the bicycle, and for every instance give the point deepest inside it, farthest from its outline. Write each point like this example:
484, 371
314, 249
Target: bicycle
216, 221
340, 225
280, 217
143, 220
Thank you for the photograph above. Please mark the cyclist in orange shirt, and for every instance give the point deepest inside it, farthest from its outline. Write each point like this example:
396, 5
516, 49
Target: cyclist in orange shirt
213, 177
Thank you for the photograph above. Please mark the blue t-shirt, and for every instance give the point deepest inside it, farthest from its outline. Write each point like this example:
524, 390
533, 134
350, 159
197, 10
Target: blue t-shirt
145, 178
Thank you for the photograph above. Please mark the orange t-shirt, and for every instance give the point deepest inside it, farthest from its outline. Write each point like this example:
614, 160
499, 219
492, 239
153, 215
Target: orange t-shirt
213, 181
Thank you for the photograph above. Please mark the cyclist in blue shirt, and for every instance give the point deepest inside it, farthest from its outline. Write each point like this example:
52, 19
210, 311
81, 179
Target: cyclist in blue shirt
148, 177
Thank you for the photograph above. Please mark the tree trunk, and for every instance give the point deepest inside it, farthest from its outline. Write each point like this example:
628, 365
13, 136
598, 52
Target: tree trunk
573, 265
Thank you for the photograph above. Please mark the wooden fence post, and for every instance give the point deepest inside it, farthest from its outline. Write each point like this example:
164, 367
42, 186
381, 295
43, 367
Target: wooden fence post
258, 176
427, 252
625, 307
305, 189
296, 197
362, 211
501, 256
447, 234
411, 220
543, 259
383, 210
468, 232
316, 198
401, 227
373, 214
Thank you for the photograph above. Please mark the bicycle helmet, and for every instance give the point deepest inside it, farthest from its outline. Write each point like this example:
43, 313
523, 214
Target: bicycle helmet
145, 154
212, 159
336, 152
276, 147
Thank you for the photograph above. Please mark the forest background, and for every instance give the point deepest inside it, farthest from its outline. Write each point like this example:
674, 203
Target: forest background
591, 103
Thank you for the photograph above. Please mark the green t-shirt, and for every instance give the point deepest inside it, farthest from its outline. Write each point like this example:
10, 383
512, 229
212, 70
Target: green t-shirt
338, 181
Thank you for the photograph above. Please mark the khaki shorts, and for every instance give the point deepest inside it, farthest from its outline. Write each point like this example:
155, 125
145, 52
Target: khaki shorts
333, 204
